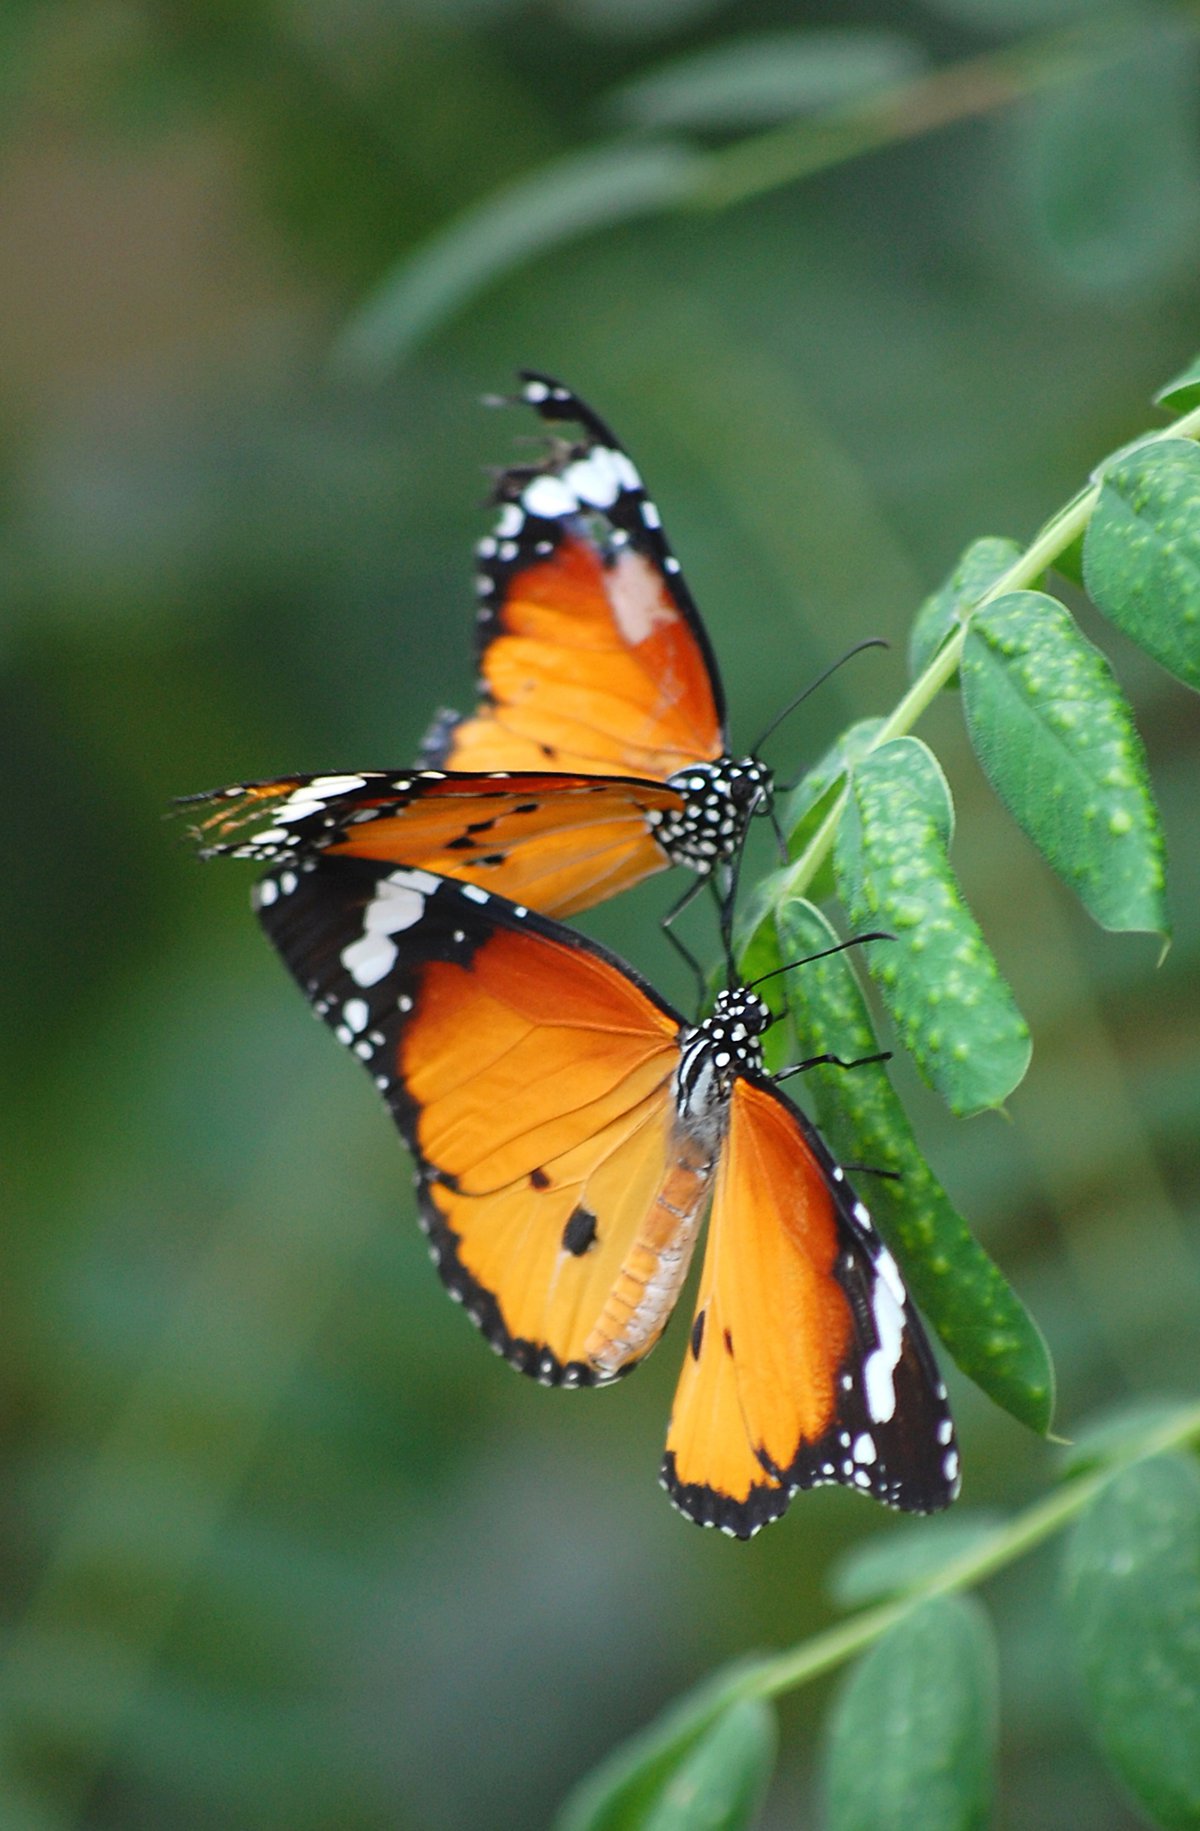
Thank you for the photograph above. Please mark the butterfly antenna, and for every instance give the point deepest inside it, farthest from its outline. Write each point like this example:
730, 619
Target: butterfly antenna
854, 941
871, 642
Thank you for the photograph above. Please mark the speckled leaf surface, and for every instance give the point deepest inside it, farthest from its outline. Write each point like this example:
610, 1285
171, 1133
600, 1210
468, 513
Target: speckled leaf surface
1141, 554
1132, 1597
912, 1738
980, 566
976, 1313
1057, 742
942, 988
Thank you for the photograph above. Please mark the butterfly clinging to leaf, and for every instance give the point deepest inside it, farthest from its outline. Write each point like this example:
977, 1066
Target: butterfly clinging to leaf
570, 1130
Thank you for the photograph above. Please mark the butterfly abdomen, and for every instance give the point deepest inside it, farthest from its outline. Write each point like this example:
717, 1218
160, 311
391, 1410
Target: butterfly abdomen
653, 1273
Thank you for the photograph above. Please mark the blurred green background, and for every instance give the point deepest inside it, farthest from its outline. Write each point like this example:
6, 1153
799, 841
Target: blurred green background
283, 1546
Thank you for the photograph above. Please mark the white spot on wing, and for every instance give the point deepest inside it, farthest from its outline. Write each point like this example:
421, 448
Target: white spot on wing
332, 785
879, 1368
399, 901
549, 498
889, 1271
594, 479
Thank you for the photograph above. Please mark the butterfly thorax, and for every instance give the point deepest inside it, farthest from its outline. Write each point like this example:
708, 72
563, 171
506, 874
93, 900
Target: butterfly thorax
712, 1055
718, 800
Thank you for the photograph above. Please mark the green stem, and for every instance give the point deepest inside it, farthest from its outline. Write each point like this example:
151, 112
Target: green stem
824, 1651
1043, 550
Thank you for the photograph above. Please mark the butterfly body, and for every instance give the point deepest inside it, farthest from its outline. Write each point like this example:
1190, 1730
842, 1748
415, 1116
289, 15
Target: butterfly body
570, 1131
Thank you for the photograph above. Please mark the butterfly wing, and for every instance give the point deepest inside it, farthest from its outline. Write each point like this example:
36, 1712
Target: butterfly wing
555, 843
592, 656
531, 1075
806, 1362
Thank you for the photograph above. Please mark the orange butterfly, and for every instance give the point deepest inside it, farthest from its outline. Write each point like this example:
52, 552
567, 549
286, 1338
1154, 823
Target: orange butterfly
569, 1129
598, 754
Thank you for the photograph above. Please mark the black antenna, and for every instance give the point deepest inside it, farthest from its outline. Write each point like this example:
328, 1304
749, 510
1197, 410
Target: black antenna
854, 941
871, 642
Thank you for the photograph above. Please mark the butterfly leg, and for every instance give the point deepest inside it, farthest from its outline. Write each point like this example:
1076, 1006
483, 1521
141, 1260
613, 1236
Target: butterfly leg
689, 896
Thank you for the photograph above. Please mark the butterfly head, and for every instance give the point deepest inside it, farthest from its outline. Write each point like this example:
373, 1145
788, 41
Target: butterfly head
718, 799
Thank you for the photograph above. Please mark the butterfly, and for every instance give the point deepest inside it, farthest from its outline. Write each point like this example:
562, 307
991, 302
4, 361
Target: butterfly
569, 1130
598, 753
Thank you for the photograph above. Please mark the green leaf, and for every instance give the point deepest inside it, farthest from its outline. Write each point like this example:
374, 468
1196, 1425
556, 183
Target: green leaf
1057, 742
655, 1771
978, 1316
722, 1781
816, 792
1117, 1433
1141, 554
980, 566
1110, 168
912, 1737
773, 76
552, 206
1132, 1594
1182, 392
953, 1011
908, 1554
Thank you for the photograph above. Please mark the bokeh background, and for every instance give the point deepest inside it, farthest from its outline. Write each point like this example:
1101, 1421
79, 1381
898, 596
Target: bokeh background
282, 1545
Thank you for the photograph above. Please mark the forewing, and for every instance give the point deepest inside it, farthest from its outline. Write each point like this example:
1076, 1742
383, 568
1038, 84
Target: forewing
806, 1361
528, 1071
557, 843
591, 652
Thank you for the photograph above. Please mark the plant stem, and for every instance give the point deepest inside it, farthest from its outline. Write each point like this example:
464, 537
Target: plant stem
958, 92
823, 1652
1043, 550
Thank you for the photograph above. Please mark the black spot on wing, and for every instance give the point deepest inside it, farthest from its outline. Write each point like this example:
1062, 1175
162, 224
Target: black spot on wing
698, 1333
579, 1232
539, 1179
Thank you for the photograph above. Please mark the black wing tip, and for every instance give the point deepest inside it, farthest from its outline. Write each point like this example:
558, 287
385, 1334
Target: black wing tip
706, 1506
923, 1490
555, 401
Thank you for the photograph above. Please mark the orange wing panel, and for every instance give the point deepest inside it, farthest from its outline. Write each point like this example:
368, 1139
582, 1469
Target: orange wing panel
594, 668
541, 1083
772, 1325
556, 843
555, 849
